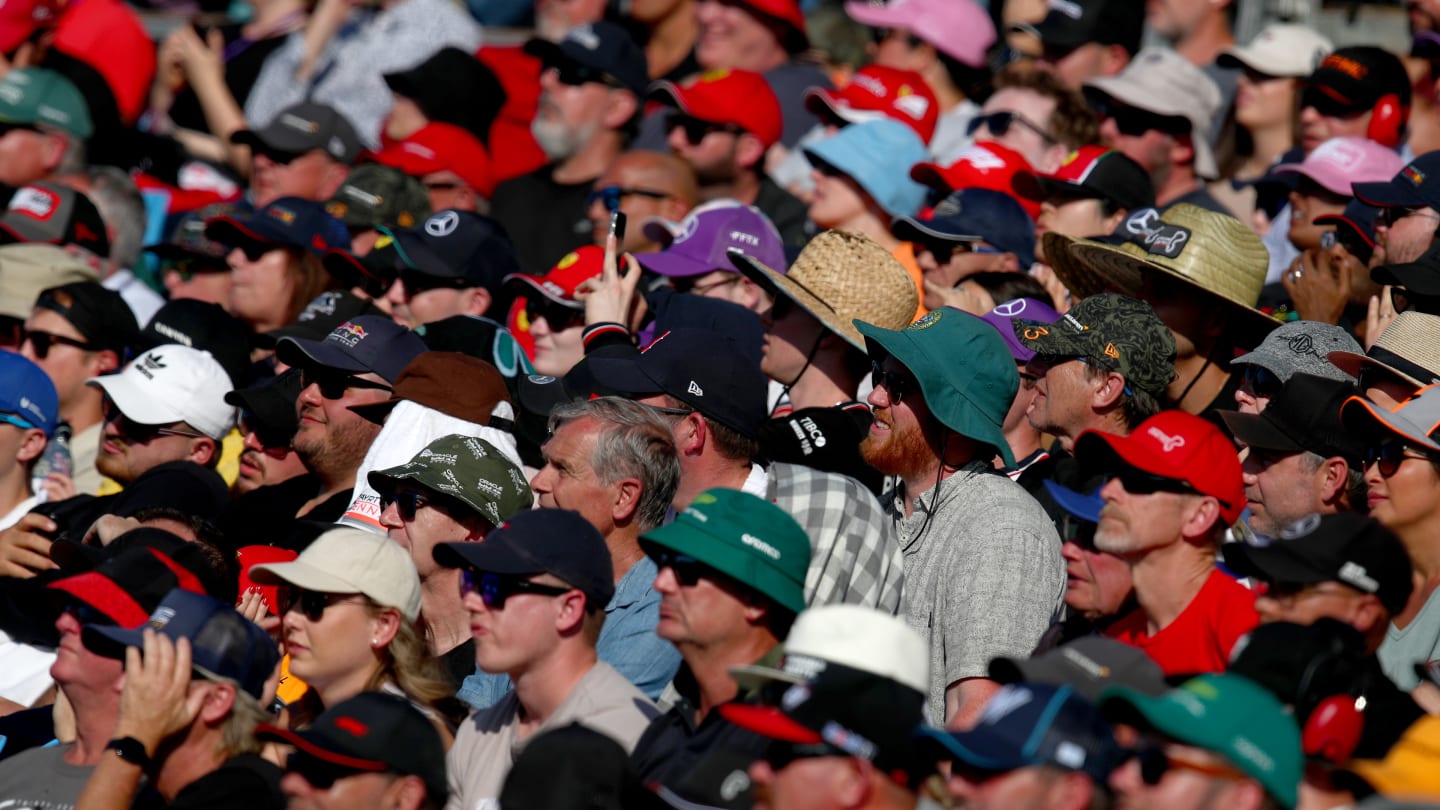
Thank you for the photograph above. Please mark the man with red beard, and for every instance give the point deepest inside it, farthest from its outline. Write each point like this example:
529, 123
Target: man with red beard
983, 575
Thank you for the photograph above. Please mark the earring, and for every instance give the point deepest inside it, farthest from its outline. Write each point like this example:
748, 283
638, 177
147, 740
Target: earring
374, 642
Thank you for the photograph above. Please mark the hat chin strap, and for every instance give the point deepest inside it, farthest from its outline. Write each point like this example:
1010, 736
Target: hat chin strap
809, 361
1193, 380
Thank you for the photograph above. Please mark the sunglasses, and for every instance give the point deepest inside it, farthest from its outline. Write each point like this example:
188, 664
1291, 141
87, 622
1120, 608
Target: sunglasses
280, 156
1389, 455
494, 588
85, 613
612, 195
897, 383
575, 74
1261, 381
1392, 215
945, 251
406, 503
1139, 482
310, 604
334, 384
1155, 763
190, 266
999, 123
417, 282
779, 754
882, 35
687, 570
558, 316
1134, 122
320, 774
141, 433
688, 285
43, 342
269, 437
695, 128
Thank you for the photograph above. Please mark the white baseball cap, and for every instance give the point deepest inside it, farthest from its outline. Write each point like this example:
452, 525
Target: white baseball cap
1281, 50
173, 383
857, 637
350, 560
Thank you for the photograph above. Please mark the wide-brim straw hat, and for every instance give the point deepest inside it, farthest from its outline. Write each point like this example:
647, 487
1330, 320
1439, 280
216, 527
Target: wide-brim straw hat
1211, 253
839, 278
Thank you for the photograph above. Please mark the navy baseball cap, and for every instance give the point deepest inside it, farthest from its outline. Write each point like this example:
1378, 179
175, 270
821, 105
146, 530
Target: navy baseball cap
1416, 185
372, 343
27, 396
1358, 219
701, 368
975, 215
1027, 724
223, 644
603, 49
459, 246
542, 541
286, 222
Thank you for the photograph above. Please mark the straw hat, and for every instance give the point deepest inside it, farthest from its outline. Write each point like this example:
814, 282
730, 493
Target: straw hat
842, 277
1409, 348
1212, 253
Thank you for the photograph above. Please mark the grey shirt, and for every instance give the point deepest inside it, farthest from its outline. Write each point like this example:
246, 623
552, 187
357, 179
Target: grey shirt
983, 579
1419, 641
41, 778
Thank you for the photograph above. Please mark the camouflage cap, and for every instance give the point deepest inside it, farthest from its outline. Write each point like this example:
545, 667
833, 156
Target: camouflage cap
469, 470
1118, 332
375, 195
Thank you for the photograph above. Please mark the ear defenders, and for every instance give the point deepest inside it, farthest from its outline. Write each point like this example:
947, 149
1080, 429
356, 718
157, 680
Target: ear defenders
1387, 121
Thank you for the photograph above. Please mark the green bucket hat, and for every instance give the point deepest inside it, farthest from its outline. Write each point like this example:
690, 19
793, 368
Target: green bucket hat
1229, 715
964, 368
745, 538
41, 96
1118, 332
469, 470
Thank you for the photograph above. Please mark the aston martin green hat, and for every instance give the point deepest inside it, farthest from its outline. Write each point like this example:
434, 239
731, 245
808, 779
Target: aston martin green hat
964, 368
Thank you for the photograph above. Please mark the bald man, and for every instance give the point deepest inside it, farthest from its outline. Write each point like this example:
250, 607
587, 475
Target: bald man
643, 184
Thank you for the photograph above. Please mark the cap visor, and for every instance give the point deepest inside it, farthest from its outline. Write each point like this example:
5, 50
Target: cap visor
1099, 450
499, 558
110, 642
1256, 431
932, 175
138, 405
1389, 195
1352, 363
302, 574
540, 394
232, 232
376, 412
1361, 414
294, 351
911, 229
1085, 507
535, 284
105, 595
1272, 564
768, 721
674, 265
623, 376
305, 741
967, 746
1417, 277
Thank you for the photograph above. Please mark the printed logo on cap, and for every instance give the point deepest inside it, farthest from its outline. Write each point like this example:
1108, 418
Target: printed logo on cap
760, 545
869, 84
36, 202
1414, 175
743, 238
161, 617
1303, 344
1167, 442
1013, 309
694, 388
352, 726
348, 335
927, 320
150, 364
303, 124
1068, 8
442, 224
584, 36
281, 213
912, 105
1146, 230
1301, 527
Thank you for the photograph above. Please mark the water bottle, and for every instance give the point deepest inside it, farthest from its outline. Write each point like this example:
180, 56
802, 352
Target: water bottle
55, 459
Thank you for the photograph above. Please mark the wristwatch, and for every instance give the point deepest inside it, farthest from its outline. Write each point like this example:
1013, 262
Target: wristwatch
131, 750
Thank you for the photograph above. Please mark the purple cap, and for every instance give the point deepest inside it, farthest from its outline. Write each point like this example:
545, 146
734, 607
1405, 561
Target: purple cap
697, 244
1339, 162
1030, 309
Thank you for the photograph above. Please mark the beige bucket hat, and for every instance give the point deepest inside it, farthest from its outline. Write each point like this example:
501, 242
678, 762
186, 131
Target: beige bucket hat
842, 277
1215, 254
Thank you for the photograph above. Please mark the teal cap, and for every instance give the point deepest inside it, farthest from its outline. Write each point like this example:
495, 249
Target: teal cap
41, 96
1229, 715
964, 368
745, 538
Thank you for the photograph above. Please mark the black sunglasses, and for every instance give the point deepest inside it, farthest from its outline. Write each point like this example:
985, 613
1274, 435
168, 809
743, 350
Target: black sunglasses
556, 315
779, 754
85, 613
576, 74
1139, 482
280, 156
406, 503
310, 604
270, 437
688, 570
999, 124
1261, 381
494, 588
1155, 763
1388, 455
321, 775
1393, 214
141, 433
417, 282
897, 383
333, 384
612, 195
1135, 122
695, 128
42, 342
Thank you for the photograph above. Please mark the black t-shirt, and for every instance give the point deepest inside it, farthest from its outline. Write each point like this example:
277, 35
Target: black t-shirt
824, 439
251, 519
459, 663
244, 782
545, 219
183, 485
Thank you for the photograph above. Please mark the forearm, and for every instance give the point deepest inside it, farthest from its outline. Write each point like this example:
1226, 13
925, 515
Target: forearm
965, 700
112, 785
224, 118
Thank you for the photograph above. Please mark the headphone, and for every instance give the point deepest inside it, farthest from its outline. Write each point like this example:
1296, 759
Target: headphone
1333, 726
1387, 121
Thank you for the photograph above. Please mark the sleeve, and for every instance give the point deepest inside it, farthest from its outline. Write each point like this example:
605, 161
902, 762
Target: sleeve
632, 648
275, 88
456, 761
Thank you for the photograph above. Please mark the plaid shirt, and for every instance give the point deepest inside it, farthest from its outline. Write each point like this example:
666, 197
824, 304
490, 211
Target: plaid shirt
855, 555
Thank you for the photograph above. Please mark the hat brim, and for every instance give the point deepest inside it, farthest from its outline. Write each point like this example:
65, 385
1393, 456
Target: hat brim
110, 642
1098, 450
105, 595
533, 284
911, 229
1256, 431
968, 746
779, 284
769, 722
674, 265
305, 741
1390, 195
499, 558
136, 404
1417, 277
1083, 506
293, 351
303, 574
1363, 416
233, 232
1272, 563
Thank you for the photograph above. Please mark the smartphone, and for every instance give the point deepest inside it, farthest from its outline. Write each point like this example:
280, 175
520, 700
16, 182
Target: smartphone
617, 227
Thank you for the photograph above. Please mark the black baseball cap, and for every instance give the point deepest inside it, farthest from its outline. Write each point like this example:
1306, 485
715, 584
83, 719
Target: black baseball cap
369, 343
1416, 185
304, 127
701, 368
223, 644
1358, 219
1348, 548
453, 87
128, 583
268, 407
288, 221
1354, 79
1069, 24
603, 47
99, 314
1087, 665
322, 315
1093, 172
374, 732
1303, 416
55, 215
459, 246
205, 326
542, 541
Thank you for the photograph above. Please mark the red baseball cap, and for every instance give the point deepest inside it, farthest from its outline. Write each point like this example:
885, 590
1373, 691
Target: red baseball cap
440, 147
786, 11
739, 97
985, 165
560, 283
875, 92
1175, 445
21, 18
